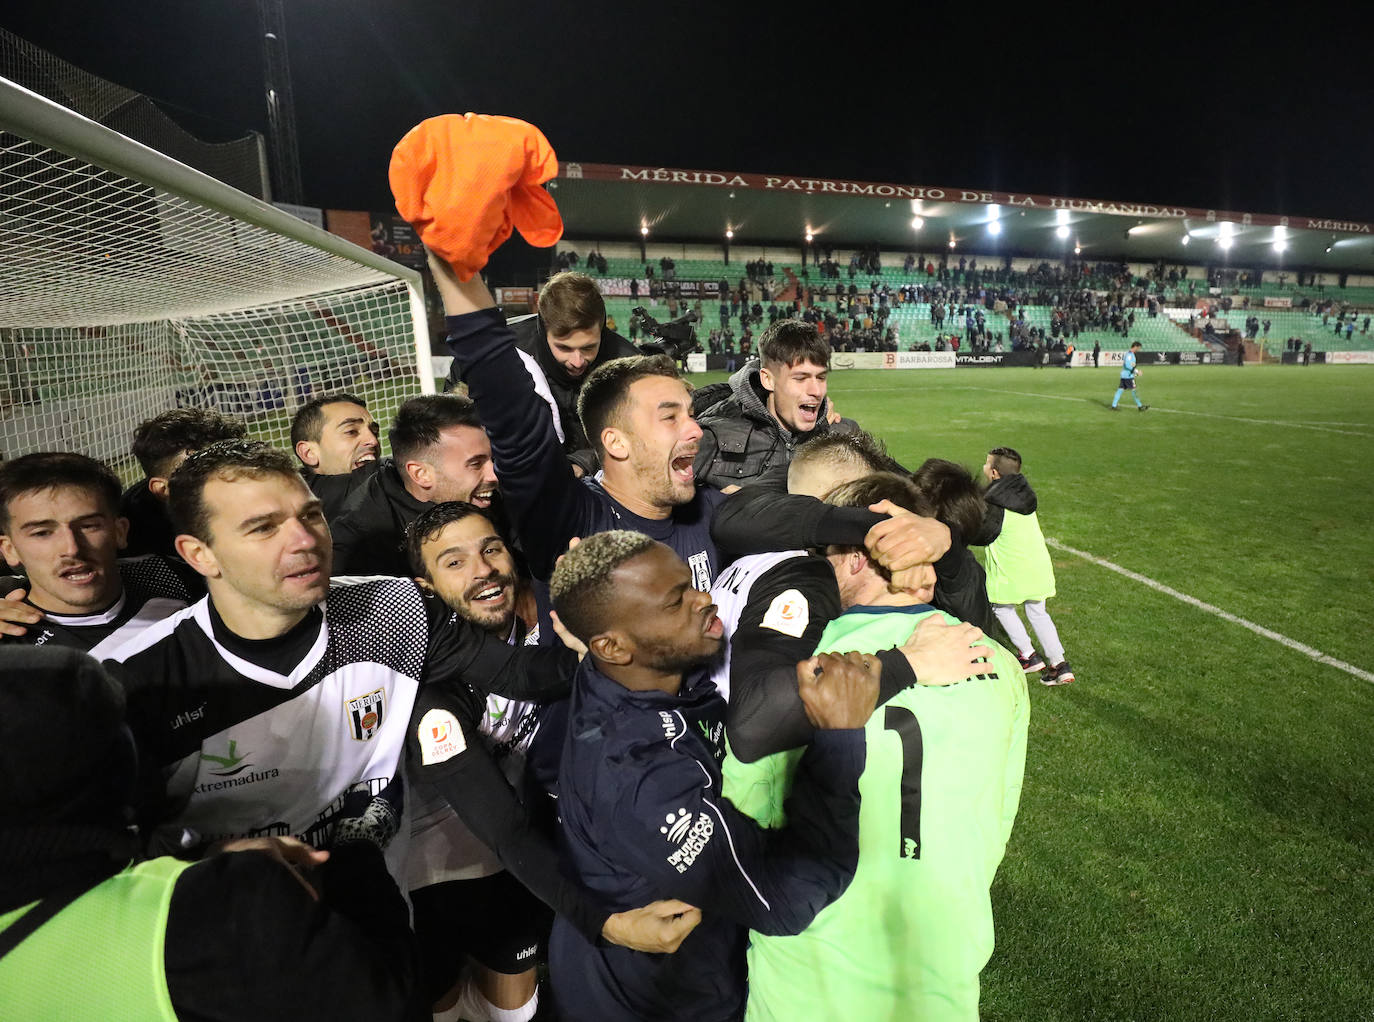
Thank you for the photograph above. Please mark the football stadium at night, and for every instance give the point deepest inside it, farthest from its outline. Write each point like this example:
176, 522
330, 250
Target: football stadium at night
452, 573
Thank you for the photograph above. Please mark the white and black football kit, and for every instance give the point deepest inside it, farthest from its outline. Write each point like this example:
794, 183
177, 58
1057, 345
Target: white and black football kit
152, 588
465, 903
774, 608
290, 735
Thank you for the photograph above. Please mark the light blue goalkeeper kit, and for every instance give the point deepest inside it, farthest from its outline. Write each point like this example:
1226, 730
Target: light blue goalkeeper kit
1127, 381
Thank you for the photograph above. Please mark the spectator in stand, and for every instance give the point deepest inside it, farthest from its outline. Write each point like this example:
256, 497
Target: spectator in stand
161, 444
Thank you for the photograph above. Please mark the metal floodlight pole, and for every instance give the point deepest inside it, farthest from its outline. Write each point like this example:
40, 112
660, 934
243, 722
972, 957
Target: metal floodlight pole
281, 102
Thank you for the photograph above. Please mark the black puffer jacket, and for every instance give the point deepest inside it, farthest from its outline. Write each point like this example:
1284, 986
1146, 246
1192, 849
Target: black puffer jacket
740, 438
369, 537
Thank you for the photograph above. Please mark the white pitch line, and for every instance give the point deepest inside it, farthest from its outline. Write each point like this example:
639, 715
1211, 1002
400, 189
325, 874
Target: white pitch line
1264, 422
1193, 601
1180, 411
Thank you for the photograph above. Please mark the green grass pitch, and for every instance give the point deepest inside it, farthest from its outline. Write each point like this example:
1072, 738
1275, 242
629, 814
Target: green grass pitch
1196, 833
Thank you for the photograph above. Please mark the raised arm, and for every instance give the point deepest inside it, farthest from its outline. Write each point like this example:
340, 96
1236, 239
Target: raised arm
759, 519
538, 484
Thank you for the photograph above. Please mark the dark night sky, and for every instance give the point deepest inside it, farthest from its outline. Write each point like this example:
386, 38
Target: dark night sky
1252, 117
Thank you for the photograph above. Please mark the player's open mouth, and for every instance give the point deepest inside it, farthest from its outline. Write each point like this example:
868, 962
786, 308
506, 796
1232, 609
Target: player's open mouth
682, 468
490, 595
810, 411
369, 456
307, 576
78, 575
483, 498
714, 628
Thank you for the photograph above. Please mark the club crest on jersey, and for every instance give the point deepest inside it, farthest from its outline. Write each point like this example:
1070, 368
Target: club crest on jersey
700, 563
365, 714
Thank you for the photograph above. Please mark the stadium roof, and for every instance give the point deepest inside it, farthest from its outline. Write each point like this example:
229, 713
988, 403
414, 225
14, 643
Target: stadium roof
610, 201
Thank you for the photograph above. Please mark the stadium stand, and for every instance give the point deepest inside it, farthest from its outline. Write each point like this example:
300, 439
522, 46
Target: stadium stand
1137, 284
1309, 328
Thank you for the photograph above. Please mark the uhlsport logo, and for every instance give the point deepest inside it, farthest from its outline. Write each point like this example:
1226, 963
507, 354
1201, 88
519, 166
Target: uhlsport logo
365, 714
689, 836
669, 724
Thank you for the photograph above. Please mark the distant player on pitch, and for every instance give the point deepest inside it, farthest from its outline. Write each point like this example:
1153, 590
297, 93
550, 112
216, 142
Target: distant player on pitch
1128, 377
1012, 550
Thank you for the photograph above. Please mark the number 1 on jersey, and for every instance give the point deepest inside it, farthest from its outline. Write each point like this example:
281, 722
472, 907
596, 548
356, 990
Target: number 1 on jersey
908, 729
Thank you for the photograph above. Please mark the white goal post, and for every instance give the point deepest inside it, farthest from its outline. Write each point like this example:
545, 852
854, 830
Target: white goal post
131, 284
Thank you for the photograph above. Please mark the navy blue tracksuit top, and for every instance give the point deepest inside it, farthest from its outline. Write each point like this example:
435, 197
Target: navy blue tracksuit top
642, 818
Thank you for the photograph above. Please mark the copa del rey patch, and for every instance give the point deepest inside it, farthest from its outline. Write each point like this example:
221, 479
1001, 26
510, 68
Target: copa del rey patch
788, 613
441, 737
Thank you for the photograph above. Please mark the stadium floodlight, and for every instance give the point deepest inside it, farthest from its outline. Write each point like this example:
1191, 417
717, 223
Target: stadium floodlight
917, 223
1077, 248
995, 228
1187, 237
729, 234
809, 236
644, 230
1328, 249
1061, 217
1280, 245
1225, 242
951, 244
134, 284
1062, 231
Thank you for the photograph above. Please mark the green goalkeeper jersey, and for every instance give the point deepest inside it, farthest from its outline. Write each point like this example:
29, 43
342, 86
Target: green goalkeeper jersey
940, 790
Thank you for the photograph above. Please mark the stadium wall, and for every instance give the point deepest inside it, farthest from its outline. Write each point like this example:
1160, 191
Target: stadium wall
700, 362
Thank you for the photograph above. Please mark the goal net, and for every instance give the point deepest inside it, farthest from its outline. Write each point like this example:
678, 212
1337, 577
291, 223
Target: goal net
131, 284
